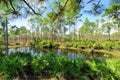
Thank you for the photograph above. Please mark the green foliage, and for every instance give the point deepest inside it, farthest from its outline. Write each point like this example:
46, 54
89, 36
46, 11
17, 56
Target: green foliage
107, 45
21, 64
98, 45
2, 47
14, 65
68, 44
1, 41
112, 10
111, 45
47, 44
79, 44
111, 64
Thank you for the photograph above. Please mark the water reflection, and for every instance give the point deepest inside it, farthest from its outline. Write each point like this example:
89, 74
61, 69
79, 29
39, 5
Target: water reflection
59, 52
91, 57
81, 56
100, 59
73, 54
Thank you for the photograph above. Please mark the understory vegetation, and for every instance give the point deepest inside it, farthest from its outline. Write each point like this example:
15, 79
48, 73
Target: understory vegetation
21, 65
89, 26
92, 44
47, 44
81, 44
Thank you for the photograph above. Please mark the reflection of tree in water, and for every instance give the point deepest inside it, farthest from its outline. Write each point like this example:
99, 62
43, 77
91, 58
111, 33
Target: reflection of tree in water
62, 52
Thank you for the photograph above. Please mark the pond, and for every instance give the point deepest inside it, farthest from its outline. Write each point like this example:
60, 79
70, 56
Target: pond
60, 52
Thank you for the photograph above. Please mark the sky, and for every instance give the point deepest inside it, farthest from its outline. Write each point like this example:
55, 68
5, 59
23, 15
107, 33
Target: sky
91, 17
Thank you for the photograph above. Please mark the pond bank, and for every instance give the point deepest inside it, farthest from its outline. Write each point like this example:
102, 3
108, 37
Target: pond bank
113, 53
88, 51
18, 46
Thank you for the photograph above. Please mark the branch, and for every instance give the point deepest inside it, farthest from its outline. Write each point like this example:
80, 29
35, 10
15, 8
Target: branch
97, 4
5, 2
89, 1
12, 5
30, 7
59, 3
60, 11
65, 4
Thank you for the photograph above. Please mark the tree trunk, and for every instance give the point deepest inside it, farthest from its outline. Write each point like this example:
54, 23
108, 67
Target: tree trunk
79, 36
52, 32
41, 33
74, 33
6, 35
118, 31
60, 31
69, 32
109, 35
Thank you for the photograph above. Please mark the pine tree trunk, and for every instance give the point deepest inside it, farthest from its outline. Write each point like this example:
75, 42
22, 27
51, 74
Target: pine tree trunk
6, 35
109, 35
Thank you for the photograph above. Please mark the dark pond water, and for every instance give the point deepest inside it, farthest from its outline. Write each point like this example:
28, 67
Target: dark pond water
61, 52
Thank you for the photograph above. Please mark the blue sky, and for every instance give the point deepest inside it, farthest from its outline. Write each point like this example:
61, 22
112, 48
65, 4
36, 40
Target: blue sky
92, 17
23, 21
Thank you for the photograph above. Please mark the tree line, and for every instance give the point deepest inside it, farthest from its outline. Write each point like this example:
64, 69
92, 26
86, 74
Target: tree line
60, 22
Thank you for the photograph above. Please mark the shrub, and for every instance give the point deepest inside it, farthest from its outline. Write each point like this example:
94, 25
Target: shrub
50, 65
98, 45
68, 44
109, 45
47, 44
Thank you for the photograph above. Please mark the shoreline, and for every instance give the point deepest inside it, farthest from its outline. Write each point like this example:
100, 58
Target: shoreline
88, 51
113, 53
